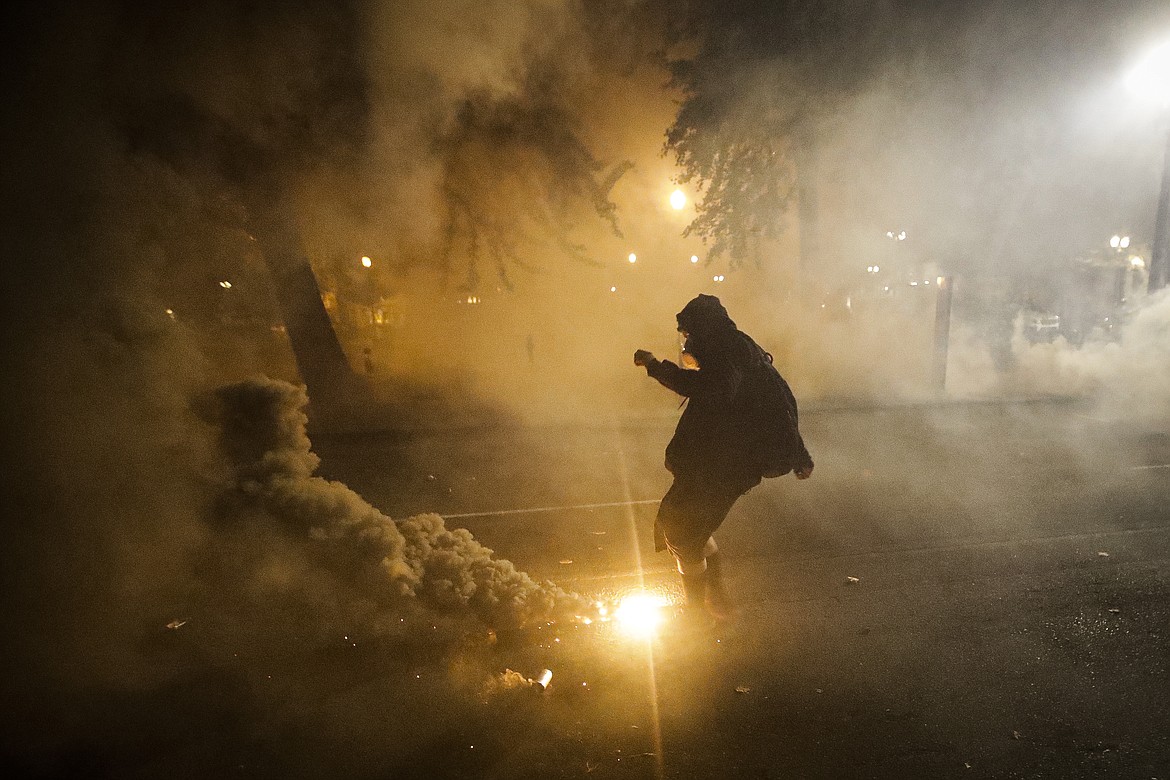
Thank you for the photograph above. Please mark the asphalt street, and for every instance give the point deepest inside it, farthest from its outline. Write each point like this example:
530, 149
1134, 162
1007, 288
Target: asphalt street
961, 590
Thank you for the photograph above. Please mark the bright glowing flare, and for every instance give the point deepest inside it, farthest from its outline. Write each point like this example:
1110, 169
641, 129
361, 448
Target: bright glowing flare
678, 200
366, 261
640, 614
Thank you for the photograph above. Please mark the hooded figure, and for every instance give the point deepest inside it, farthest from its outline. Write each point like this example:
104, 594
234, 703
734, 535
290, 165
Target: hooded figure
712, 456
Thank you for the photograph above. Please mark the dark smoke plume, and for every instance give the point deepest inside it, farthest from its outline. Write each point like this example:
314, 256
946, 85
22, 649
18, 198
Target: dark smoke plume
364, 572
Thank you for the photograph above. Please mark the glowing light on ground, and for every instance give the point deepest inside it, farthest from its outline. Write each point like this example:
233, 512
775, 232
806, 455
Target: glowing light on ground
633, 258
651, 673
678, 200
367, 262
640, 614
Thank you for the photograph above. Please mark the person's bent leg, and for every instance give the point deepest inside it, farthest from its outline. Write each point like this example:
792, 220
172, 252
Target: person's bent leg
680, 523
692, 568
689, 514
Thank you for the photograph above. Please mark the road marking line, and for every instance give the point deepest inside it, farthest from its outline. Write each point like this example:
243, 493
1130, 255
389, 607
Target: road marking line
550, 509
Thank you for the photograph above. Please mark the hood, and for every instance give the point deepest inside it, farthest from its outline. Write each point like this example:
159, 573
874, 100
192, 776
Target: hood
705, 316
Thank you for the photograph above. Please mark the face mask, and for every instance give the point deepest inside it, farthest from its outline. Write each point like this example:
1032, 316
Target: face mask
685, 358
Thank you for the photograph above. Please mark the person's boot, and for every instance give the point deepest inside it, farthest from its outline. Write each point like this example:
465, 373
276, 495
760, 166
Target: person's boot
716, 598
694, 591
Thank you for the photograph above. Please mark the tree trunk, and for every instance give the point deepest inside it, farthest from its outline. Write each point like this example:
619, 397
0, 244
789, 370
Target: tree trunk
320, 359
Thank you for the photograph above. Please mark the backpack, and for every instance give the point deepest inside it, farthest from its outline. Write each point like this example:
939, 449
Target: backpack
771, 421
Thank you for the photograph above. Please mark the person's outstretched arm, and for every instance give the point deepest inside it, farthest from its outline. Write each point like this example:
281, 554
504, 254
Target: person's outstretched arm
719, 380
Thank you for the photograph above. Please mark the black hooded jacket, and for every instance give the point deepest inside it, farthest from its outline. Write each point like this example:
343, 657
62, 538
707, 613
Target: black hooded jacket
717, 432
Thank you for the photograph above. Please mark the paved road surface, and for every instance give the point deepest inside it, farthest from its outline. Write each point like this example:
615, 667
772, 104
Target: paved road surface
1010, 614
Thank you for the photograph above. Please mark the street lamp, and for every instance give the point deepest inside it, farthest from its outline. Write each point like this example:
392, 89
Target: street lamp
1151, 80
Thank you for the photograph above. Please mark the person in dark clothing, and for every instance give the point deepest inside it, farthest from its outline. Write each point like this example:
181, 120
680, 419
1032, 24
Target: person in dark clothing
712, 454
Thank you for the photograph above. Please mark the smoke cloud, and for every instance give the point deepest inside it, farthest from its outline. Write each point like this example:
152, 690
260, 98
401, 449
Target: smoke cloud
367, 574
1129, 377
151, 482
209, 570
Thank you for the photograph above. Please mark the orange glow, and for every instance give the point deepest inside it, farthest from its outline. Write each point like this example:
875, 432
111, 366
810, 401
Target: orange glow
640, 614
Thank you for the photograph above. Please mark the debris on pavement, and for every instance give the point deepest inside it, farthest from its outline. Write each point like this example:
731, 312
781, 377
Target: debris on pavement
1114, 611
852, 580
511, 682
1102, 554
742, 689
176, 624
1016, 735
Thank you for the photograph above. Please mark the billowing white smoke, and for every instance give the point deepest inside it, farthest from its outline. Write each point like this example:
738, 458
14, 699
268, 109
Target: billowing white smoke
1129, 377
314, 550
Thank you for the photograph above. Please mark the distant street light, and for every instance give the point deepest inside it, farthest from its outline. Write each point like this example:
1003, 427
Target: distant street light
366, 262
678, 200
1151, 81
633, 258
